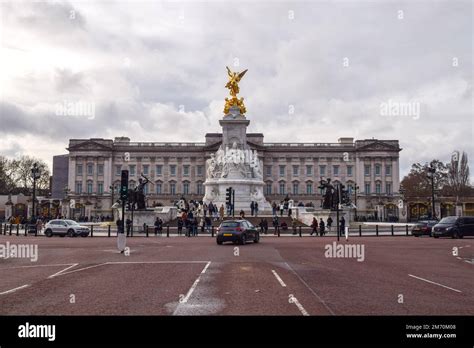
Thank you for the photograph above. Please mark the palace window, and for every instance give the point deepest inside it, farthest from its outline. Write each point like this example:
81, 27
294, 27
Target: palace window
185, 188
309, 170
186, 170
89, 187
282, 188
378, 168
173, 170
200, 170
322, 170
367, 170
296, 188
268, 170
367, 188
90, 169
388, 188
172, 188
335, 170
78, 187
309, 188
388, 170
349, 170
131, 170
296, 170
158, 169
100, 188
268, 188
79, 170
378, 188
118, 170
100, 169
146, 169
200, 188
158, 188
282, 170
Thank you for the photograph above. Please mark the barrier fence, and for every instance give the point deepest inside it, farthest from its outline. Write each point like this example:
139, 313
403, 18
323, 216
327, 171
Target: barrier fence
167, 231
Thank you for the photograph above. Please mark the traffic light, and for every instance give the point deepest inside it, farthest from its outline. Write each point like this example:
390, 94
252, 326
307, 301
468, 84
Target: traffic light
124, 185
228, 196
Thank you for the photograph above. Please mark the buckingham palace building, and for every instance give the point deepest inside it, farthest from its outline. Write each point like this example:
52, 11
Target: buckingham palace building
369, 168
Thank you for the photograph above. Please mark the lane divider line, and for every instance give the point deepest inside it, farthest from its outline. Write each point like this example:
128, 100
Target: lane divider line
282, 283
61, 271
13, 290
82, 269
429, 281
191, 290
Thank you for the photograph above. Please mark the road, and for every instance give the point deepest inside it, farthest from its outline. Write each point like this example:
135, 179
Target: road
278, 276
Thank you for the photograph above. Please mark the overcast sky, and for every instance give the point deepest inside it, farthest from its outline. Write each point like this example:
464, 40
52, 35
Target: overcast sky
155, 71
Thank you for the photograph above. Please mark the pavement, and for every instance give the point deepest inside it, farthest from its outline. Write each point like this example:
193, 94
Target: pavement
278, 276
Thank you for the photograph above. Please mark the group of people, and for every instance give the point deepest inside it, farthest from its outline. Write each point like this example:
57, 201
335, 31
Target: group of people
282, 207
321, 226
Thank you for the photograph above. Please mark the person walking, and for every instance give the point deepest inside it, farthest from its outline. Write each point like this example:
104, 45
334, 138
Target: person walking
242, 214
294, 225
180, 226
314, 227
208, 222
342, 225
128, 223
321, 228
252, 208
329, 224
274, 209
221, 212
157, 226
265, 226
255, 208
282, 208
261, 225
275, 224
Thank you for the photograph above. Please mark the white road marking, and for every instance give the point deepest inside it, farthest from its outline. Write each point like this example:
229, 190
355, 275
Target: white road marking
137, 262
294, 300
13, 290
52, 265
61, 271
282, 283
191, 290
310, 289
429, 281
82, 269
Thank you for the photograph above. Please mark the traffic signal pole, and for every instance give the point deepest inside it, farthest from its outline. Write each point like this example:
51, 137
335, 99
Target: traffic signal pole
233, 202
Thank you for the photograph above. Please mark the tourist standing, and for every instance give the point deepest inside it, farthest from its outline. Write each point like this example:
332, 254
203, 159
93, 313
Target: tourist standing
221, 212
256, 208
180, 226
342, 225
321, 228
314, 226
329, 224
252, 208
282, 208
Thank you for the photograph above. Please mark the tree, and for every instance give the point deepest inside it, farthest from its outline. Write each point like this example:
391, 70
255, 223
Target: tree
6, 182
22, 177
418, 183
458, 174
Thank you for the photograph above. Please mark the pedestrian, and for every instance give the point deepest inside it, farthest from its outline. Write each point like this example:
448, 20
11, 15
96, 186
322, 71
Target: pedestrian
157, 225
195, 227
39, 224
275, 224
314, 226
242, 214
128, 223
119, 226
265, 226
208, 222
221, 212
274, 209
321, 228
329, 224
256, 209
252, 208
282, 208
342, 225
180, 226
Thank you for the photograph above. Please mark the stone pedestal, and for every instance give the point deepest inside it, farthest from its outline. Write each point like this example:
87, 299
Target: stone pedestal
306, 214
149, 216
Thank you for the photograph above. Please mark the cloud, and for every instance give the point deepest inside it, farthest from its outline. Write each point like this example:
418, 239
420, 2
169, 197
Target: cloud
155, 71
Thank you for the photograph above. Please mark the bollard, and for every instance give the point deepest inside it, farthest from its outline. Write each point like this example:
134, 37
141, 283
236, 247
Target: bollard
108, 231
17, 230
1, 228
36, 231
300, 232
92, 230
5, 229
26, 229
212, 231
392, 229
167, 230
146, 230
377, 230
156, 231
131, 231
10, 230
278, 231
407, 229
360, 230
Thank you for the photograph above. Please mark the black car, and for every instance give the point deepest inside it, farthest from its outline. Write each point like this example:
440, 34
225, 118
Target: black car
237, 231
454, 227
423, 228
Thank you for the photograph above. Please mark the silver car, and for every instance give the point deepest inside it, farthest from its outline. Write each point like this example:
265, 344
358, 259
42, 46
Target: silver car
64, 227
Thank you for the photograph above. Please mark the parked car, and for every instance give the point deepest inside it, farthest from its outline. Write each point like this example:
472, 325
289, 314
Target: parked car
423, 228
237, 231
454, 227
63, 227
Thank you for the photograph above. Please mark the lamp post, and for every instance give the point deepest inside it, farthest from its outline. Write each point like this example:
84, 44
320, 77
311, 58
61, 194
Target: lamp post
431, 175
112, 190
36, 174
356, 188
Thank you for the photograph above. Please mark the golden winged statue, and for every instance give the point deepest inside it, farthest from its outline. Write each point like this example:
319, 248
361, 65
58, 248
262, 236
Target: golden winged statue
233, 86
